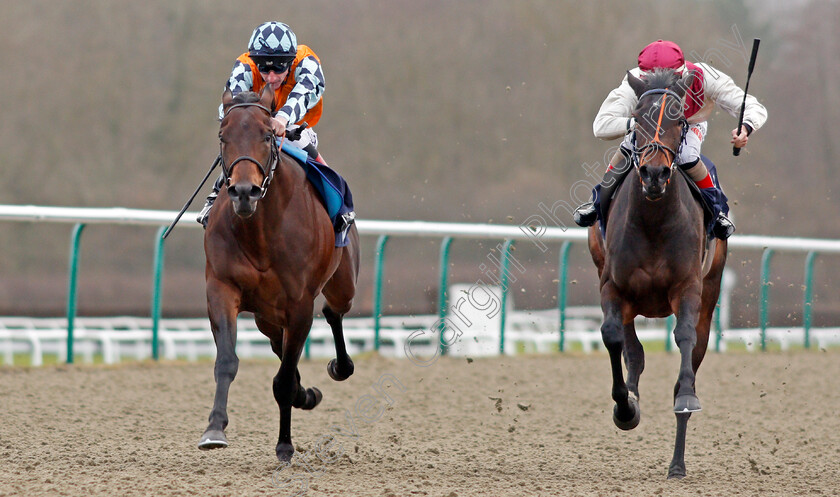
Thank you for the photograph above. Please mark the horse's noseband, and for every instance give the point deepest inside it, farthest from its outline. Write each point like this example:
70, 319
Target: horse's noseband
266, 169
656, 143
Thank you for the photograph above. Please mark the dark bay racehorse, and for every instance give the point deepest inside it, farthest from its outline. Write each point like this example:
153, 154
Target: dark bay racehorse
270, 251
652, 263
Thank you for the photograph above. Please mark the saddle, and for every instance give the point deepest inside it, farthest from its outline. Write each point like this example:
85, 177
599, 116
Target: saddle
332, 188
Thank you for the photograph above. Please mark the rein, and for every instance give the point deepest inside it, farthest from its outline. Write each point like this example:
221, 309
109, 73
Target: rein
656, 144
273, 159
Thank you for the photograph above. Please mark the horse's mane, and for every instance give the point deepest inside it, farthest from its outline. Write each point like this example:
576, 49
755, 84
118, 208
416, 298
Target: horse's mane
661, 78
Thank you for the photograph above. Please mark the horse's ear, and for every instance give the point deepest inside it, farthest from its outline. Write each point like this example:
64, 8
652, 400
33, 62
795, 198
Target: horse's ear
227, 98
637, 84
267, 97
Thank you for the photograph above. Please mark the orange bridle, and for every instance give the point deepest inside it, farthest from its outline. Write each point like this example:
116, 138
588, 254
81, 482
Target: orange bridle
656, 144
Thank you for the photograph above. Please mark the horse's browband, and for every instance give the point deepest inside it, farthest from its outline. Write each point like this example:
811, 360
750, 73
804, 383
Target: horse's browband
248, 104
660, 91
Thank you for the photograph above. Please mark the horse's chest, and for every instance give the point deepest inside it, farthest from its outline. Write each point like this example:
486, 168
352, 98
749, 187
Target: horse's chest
641, 280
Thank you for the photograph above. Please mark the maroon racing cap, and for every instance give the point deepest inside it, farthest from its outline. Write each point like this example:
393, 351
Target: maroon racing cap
664, 54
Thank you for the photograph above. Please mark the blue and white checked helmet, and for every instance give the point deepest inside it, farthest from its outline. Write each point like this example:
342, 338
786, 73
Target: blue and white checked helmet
273, 39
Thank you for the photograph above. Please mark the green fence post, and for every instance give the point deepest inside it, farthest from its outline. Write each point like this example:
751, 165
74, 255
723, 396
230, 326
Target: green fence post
764, 298
379, 264
807, 299
442, 297
670, 323
503, 278
563, 271
156, 292
71, 287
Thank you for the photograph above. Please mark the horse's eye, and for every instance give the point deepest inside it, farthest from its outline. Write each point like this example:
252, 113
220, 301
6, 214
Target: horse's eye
268, 137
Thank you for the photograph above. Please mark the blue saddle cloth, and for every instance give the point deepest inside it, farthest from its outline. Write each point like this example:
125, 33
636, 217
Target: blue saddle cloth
331, 186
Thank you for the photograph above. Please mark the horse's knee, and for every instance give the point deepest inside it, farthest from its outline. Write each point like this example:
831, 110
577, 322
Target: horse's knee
685, 335
333, 316
611, 334
226, 367
283, 391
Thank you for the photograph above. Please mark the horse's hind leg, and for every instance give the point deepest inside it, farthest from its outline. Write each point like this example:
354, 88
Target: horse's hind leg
626, 413
221, 309
709, 299
634, 358
596, 247
341, 367
339, 292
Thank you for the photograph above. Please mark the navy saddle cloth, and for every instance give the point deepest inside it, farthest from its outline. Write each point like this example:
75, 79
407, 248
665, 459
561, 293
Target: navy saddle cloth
331, 186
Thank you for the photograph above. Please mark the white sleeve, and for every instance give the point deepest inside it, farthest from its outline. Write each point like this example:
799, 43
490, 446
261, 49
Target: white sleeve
308, 90
723, 91
613, 116
240, 80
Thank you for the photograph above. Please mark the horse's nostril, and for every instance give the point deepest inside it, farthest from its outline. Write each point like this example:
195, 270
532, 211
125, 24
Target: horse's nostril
256, 191
644, 172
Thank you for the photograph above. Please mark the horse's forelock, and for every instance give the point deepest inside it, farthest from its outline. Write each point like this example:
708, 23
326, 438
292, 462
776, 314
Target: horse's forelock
660, 78
245, 97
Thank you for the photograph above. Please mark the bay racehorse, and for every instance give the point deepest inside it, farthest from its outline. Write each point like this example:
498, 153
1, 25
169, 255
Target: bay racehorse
270, 250
652, 260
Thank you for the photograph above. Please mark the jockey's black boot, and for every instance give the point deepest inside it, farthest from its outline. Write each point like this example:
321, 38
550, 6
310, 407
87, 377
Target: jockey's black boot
205, 211
586, 214
723, 227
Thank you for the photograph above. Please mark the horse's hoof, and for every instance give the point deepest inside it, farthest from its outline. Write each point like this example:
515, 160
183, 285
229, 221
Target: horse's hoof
686, 403
676, 473
285, 452
213, 439
313, 398
335, 374
631, 423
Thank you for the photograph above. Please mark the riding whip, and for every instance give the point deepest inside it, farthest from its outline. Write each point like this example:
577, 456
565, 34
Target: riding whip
735, 150
187, 205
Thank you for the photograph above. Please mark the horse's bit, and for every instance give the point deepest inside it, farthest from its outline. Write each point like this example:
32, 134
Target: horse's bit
268, 169
656, 143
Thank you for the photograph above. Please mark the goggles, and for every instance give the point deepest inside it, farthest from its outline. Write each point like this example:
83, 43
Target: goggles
275, 65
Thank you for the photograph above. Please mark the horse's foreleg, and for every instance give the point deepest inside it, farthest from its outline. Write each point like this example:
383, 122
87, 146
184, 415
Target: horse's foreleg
287, 389
685, 334
626, 413
677, 467
222, 307
685, 398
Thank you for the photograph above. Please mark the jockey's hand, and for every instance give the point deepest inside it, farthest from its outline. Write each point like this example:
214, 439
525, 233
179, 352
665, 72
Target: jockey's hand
278, 124
739, 140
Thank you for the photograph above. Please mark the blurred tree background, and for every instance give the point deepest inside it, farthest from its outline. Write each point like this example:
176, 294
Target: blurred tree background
467, 111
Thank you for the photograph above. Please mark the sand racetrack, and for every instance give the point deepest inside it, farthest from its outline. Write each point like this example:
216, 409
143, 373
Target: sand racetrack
770, 426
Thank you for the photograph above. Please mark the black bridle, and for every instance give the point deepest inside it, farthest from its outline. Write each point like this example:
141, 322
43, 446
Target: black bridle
268, 168
656, 144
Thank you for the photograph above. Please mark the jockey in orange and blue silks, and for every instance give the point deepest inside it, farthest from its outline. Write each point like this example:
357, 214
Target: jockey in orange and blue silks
294, 73
710, 86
